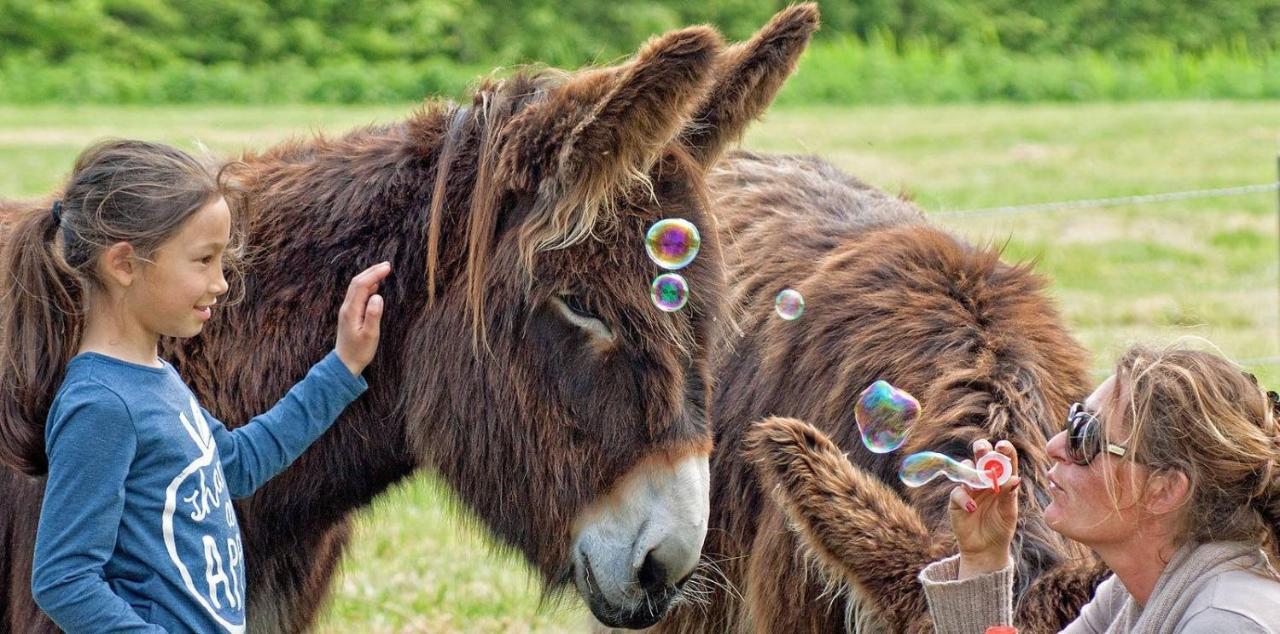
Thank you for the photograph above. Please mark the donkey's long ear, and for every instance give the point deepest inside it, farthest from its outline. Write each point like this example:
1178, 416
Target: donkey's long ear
651, 100
846, 516
600, 131
603, 126
748, 76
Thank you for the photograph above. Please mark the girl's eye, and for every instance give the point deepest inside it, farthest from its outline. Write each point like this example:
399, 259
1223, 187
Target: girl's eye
208, 259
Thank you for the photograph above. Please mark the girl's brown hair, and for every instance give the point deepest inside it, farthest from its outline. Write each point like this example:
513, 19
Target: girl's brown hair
1198, 413
119, 191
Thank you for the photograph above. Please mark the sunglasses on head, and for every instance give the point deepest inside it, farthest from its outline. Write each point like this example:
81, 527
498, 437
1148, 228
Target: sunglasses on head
1084, 437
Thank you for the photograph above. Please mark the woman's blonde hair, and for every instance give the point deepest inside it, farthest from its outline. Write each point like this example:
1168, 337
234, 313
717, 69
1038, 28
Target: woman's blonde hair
1198, 413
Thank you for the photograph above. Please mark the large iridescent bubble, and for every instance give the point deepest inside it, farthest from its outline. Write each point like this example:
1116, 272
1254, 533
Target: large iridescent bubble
672, 243
992, 470
789, 304
669, 292
884, 413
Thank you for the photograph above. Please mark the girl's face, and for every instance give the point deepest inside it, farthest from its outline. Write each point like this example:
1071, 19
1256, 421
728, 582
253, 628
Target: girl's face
1094, 504
179, 288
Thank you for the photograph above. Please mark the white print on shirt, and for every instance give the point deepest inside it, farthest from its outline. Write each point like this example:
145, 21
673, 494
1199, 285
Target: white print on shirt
222, 595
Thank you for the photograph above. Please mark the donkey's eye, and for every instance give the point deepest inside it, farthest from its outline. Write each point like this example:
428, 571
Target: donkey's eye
575, 304
576, 312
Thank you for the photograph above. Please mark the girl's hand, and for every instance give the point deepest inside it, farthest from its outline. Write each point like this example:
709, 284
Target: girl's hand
360, 319
984, 520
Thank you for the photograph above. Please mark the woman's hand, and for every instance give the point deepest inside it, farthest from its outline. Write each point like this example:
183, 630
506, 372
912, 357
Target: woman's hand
360, 318
984, 520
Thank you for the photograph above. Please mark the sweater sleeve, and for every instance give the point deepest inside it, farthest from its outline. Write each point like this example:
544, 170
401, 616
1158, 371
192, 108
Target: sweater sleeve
269, 442
969, 605
90, 445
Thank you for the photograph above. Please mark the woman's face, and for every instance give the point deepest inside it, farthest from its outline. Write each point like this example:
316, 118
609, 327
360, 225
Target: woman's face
1094, 504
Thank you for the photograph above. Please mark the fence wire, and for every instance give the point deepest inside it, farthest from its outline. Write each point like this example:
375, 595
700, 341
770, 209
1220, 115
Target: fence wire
1110, 202
1140, 199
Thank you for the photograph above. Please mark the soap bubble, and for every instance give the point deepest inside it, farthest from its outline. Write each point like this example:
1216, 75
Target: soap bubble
919, 468
789, 304
884, 413
672, 243
669, 292
992, 470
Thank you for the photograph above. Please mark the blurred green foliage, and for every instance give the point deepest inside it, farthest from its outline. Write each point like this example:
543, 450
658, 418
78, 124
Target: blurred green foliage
255, 51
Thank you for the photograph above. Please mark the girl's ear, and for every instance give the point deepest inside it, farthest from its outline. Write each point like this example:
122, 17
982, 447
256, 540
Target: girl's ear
118, 264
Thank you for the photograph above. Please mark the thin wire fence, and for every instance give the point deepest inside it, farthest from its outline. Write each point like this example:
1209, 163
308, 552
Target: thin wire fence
1141, 199
1110, 202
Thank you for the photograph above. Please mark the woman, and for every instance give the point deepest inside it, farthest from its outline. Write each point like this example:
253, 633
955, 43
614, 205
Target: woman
1170, 472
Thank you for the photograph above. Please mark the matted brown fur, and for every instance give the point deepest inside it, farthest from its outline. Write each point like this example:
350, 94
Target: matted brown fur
887, 297
542, 187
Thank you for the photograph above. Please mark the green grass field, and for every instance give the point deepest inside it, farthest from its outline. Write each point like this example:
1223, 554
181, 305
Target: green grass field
1155, 273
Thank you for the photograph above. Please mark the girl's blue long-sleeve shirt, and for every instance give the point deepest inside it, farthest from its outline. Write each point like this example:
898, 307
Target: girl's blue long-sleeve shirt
137, 532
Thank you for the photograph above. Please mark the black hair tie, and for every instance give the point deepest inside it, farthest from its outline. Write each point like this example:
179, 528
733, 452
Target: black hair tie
56, 212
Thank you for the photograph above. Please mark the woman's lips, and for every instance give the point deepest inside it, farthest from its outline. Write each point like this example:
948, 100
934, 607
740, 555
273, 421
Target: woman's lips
1053, 485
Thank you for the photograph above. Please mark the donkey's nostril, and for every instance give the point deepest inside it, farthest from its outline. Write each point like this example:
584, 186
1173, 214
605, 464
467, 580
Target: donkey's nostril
652, 575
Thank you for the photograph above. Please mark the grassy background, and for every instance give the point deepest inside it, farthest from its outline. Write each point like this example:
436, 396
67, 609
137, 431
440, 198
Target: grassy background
1153, 273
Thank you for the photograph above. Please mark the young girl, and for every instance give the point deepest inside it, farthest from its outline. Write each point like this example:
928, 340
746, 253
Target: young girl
137, 532
1170, 472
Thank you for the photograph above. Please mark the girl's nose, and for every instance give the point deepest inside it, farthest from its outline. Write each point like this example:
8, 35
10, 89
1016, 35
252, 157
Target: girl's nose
220, 285
1057, 446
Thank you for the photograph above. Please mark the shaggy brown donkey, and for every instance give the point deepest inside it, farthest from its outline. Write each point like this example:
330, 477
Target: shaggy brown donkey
888, 297
522, 358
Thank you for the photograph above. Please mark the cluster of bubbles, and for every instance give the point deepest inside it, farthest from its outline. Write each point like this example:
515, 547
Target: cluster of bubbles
671, 243
883, 412
884, 415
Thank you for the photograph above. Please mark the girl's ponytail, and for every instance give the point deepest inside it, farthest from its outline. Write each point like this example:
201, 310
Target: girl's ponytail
39, 328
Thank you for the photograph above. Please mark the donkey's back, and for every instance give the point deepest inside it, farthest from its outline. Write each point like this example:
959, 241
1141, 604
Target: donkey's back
781, 214
888, 296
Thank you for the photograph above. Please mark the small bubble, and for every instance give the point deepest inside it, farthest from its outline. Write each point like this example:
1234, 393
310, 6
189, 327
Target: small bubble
669, 291
789, 304
672, 243
883, 414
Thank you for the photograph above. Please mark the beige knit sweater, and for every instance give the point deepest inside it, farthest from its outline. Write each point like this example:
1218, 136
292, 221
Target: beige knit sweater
1216, 587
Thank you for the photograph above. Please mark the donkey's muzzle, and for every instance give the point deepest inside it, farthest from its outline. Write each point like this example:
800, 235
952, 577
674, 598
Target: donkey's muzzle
635, 548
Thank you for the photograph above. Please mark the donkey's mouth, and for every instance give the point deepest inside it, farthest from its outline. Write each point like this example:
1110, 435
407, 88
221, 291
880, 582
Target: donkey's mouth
645, 612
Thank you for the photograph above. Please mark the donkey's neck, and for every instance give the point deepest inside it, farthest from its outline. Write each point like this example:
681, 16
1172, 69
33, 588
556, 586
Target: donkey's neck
321, 212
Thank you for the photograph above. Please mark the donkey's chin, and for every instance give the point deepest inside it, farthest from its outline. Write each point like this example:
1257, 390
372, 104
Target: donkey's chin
638, 615
634, 549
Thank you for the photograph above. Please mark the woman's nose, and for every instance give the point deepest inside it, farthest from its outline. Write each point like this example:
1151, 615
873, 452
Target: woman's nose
1057, 446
